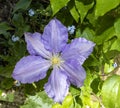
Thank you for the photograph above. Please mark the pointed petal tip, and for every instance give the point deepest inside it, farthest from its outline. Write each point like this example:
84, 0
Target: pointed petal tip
30, 69
57, 86
55, 36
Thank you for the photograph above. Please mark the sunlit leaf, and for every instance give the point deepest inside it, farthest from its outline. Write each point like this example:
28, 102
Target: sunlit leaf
40, 100
103, 6
68, 101
111, 92
117, 27
9, 97
83, 9
57, 105
116, 45
56, 5
73, 11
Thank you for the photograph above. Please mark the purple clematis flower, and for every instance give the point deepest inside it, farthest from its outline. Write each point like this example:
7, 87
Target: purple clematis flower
51, 50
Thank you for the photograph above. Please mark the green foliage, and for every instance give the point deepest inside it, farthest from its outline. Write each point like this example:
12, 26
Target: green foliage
82, 8
103, 6
67, 103
9, 97
95, 20
20, 25
4, 26
73, 11
111, 92
57, 5
117, 27
40, 100
22, 4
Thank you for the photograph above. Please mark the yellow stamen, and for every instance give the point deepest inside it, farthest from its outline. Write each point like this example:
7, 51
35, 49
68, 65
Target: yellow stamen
55, 60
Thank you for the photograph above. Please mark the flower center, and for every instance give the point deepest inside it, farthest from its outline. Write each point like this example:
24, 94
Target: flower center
55, 60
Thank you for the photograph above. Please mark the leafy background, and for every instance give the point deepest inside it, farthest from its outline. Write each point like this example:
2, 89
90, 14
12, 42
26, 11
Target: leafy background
95, 20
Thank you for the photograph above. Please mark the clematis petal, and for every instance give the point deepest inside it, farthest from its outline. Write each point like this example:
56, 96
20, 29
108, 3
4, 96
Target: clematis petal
35, 45
55, 36
75, 72
30, 69
78, 49
30, 48
57, 86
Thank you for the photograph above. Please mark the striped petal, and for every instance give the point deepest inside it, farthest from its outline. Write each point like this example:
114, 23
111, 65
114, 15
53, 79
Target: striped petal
75, 72
55, 36
30, 69
35, 45
79, 49
57, 86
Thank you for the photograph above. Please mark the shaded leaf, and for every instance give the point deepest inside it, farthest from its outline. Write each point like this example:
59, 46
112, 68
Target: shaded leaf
6, 71
4, 26
18, 20
106, 35
7, 83
22, 4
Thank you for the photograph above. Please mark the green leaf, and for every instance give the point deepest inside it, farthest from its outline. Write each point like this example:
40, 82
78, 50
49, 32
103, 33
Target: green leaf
83, 9
77, 102
4, 26
103, 6
92, 19
109, 67
92, 61
117, 27
73, 11
56, 5
40, 100
111, 92
19, 23
22, 4
57, 105
9, 97
7, 83
88, 34
74, 91
116, 45
18, 20
107, 44
68, 101
111, 54
6, 71
106, 35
